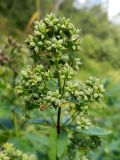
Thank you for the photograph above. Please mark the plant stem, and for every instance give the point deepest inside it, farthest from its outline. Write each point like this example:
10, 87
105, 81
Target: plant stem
68, 120
61, 91
75, 114
58, 121
59, 108
38, 8
58, 127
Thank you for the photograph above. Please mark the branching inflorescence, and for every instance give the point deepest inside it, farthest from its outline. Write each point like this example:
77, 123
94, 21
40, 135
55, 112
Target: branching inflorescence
50, 82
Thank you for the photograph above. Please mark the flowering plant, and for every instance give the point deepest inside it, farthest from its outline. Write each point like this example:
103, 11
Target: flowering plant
50, 84
9, 152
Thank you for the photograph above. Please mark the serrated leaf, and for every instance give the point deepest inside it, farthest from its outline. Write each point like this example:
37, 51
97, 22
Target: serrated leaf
62, 143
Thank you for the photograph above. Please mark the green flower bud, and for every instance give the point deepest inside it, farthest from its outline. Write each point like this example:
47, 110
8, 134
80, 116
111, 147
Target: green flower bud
25, 74
53, 99
37, 33
95, 95
36, 49
32, 44
85, 98
83, 123
40, 43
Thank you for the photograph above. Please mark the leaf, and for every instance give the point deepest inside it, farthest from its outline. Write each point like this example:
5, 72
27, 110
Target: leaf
6, 124
39, 139
96, 131
3, 136
62, 143
51, 85
21, 144
52, 152
40, 122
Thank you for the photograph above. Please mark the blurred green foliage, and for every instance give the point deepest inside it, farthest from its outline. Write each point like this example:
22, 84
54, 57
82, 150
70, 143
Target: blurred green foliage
100, 54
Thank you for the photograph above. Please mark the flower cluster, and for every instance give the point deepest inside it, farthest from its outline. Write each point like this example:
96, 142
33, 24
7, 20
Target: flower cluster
83, 123
10, 53
94, 142
53, 98
83, 93
34, 87
74, 62
83, 142
66, 71
97, 89
9, 152
54, 36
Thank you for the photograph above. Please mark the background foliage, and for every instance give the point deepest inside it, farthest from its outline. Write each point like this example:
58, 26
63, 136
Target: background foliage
100, 56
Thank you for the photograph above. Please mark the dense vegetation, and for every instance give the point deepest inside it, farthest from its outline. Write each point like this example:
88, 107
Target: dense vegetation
99, 54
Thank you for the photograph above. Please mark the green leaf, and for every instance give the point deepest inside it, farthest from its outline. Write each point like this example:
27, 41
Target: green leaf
37, 139
96, 131
3, 136
62, 143
21, 144
51, 85
52, 151
40, 122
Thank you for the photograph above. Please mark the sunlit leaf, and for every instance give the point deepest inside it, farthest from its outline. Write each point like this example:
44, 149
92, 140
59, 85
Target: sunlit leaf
96, 131
91, 131
21, 144
52, 152
62, 143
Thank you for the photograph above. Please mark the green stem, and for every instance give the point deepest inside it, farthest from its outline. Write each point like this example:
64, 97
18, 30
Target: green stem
63, 89
67, 121
59, 108
74, 115
59, 83
58, 127
38, 8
